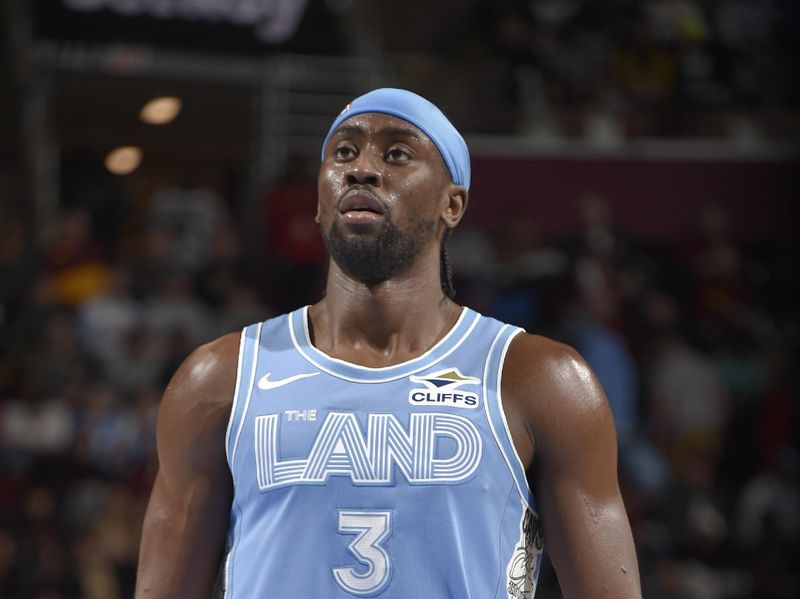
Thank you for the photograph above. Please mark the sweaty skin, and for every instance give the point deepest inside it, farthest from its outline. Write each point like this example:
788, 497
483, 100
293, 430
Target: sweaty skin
557, 413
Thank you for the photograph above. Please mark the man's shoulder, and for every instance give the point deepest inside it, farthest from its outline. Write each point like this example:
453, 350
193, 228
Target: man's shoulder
215, 357
532, 355
208, 375
549, 378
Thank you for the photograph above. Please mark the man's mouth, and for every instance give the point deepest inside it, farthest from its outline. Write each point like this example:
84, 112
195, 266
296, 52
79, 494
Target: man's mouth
361, 207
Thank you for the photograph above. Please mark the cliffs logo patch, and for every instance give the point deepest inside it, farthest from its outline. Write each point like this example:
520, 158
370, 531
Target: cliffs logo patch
442, 388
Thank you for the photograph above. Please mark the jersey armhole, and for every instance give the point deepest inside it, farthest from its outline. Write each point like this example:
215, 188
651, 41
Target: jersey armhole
245, 379
493, 405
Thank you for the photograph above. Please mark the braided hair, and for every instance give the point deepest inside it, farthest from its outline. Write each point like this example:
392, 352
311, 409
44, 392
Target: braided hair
446, 269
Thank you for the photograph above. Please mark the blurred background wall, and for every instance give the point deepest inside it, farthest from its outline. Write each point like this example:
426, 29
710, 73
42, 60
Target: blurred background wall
635, 177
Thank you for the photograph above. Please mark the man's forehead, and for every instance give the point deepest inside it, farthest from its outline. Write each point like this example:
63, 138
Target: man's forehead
376, 123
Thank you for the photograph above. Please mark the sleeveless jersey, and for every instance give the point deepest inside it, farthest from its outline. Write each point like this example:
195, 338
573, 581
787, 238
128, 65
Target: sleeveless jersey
397, 482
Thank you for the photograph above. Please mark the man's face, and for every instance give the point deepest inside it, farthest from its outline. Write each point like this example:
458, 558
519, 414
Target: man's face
381, 186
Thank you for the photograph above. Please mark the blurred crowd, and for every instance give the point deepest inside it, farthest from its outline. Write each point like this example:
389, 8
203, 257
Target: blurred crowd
92, 326
691, 340
610, 69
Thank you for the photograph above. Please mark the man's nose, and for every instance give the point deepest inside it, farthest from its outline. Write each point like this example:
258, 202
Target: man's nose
364, 170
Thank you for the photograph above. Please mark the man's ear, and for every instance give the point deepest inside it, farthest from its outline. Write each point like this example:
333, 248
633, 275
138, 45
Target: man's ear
316, 216
457, 197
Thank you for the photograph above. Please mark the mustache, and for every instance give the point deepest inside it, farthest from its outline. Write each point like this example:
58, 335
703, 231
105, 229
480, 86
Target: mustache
362, 198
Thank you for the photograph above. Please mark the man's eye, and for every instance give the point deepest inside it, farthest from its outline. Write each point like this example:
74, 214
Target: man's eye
344, 152
397, 154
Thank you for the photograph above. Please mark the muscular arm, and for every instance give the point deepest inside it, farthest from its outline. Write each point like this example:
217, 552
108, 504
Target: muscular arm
187, 517
563, 429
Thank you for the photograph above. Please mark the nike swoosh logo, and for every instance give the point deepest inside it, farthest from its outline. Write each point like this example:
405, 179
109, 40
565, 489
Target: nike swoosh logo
265, 384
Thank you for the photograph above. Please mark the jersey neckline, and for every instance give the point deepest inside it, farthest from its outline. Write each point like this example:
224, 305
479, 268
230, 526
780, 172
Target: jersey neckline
301, 338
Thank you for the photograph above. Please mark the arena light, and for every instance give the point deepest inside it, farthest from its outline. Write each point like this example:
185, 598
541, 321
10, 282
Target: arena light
161, 110
123, 160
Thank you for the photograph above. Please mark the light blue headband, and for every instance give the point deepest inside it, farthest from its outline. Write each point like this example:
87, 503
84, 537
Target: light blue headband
422, 114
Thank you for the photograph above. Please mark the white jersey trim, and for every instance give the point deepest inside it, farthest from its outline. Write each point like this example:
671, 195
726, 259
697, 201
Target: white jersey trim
505, 420
250, 384
487, 409
372, 371
234, 403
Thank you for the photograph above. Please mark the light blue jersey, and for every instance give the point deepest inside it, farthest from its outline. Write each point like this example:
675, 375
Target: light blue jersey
398, 482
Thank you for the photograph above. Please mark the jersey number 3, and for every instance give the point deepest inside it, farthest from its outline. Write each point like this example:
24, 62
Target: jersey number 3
371, 529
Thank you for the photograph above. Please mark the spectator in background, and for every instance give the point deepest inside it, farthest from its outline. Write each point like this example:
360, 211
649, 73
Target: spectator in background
717, 288
138, 364
292, 237
689, 407
778, 423
55, 362
768, 527
474, 257
108, 318
289, 208
74, 261
224, 269
175, 308
95, 569
117, 531
599, 237
48, 567
646, 75
149, 264
109, 429
40, 426
526, 271
103, 549
192, 215
743, 368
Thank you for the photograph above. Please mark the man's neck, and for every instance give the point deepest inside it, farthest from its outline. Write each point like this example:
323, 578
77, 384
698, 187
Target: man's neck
384, 323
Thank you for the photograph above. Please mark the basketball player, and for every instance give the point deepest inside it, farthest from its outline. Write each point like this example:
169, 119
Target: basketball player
386, 442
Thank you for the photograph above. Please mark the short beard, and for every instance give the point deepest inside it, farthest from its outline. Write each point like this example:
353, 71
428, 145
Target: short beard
381, 255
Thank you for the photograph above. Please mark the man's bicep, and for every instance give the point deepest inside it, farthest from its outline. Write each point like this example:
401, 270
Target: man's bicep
187, 517
585, 524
